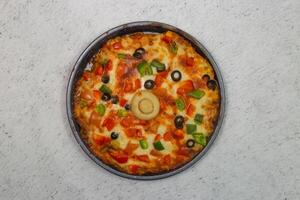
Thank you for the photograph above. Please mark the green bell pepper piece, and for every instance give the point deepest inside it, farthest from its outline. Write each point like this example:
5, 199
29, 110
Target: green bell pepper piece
105, 89
158, 146
191, 128
158, 65
200, 138
173, 47
100, 108
121, 55
104, 61
198, 118
144, 144
144, 69
82, 103
122, 113
180, 104
197, 94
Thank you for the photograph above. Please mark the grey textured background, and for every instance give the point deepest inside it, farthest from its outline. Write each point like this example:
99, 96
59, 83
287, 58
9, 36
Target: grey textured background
257, 46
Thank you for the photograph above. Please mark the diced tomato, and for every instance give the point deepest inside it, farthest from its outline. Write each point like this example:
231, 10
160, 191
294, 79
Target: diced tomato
200, 83
167, 159
141, 122
167, 39
99, 70
190, 61
156, 153
139, 134
134, 168
119, 156
137, 84
126, 121
157, 137
167, 136
86, 76
162, 104
185, 87
106, 140
134, 132
143, 158
109, 123
101, 140
127, 86
164, 74
95, 119
160, 92
130, 132
121, 70
130, 148
117, 45
179, 134
108, 66
180, 158
190, 110
86, 95
183, 151
123, 102
158, 80
187, 61
96, 94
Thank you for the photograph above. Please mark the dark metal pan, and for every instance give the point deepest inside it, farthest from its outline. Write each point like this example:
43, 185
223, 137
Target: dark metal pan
143, 26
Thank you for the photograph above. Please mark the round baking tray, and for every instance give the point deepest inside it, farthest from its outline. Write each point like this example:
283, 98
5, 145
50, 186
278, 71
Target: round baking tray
87, 54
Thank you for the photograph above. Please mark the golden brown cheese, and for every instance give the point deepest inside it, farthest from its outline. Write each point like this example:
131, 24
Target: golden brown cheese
127, 142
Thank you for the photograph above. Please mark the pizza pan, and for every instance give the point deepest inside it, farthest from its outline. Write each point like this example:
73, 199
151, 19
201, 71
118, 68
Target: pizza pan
93, 47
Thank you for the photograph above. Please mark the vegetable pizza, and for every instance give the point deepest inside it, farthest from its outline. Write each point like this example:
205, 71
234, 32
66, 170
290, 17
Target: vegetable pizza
147, 103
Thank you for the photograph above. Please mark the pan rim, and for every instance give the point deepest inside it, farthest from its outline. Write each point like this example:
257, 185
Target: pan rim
109, 34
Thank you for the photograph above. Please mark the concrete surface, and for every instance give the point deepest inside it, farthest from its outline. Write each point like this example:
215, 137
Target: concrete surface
257, 46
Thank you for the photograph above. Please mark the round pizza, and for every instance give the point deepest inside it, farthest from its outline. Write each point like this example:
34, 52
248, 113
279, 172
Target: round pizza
147, 103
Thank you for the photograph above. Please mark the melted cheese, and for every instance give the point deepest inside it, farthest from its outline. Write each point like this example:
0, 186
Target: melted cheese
156, 48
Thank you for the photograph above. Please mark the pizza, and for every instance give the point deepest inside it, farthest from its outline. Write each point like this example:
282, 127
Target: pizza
147, 103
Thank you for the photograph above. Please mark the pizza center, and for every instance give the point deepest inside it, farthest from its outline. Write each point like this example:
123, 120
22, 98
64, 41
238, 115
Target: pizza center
146, 106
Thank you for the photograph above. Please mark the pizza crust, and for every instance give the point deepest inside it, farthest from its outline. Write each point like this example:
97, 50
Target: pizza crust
148, 141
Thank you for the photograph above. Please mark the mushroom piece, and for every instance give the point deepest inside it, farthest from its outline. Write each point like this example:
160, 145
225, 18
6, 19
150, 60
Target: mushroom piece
145, 105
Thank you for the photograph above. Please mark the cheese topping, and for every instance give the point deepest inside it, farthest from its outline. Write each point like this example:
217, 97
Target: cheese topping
147, 103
